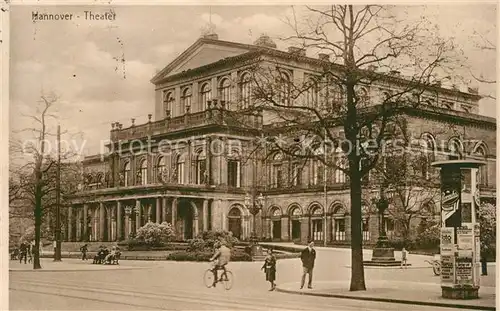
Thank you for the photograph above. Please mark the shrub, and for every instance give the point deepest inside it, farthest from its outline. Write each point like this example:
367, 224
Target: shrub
155, 234
236, 255
428, 234
207, 239
487, 221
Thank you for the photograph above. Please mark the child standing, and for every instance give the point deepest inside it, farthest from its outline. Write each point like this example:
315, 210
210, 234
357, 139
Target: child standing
404, 255
270, 268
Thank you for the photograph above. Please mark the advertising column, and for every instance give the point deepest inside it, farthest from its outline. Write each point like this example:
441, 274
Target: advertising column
459, 232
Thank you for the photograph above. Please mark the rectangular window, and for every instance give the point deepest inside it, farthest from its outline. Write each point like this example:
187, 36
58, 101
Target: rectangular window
296, 174
366, 231
233, 173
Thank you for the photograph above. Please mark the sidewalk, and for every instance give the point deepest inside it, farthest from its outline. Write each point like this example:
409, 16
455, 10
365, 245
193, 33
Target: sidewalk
405, 292
65, 265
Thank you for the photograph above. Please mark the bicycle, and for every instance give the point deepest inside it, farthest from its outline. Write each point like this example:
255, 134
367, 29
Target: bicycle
436, 266
226, 278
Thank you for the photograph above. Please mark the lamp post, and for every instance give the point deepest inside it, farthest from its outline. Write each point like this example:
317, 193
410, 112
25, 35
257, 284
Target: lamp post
382, 254
254, 205
382, 203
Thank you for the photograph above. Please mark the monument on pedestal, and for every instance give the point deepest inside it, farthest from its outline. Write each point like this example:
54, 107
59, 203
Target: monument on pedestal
383, 254
460, 245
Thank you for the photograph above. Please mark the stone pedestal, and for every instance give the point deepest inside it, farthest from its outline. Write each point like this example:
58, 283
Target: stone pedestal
468, 292
383, 257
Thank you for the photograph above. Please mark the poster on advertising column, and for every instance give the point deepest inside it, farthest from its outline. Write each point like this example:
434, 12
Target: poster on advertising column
447, 240
447, 269
464, 262
463, 266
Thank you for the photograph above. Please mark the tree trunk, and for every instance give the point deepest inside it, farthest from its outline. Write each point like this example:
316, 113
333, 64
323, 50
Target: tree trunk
357, 270
38, 226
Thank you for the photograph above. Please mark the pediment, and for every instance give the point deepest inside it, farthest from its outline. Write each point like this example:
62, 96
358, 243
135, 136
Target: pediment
200, 54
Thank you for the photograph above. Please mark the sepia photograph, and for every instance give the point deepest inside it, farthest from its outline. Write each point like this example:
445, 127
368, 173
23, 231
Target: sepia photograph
250, 156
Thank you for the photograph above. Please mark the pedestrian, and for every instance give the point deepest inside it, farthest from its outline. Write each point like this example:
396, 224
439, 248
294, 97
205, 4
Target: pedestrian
84, 249
269, 268
484, 260
404, 255
23, 250
308, 256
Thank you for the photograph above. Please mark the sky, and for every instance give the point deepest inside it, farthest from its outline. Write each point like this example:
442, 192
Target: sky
81, 61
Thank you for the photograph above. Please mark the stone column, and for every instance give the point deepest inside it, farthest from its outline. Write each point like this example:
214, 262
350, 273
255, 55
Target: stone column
138, 215
158, 210
78, 224
112, 236
285, 220
119, 219
329, 229
101, 221
164, 210
70, 224
85, 222
216, 215
196, 226
205, 215
174, 213
304, 229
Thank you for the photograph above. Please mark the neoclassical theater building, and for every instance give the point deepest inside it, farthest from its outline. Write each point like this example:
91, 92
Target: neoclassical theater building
196, 174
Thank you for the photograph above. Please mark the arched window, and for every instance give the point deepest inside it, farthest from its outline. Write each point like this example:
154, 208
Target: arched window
455, 149
277, 171
143, 172
339, 222
317, 223
205, 95
168, 100
428, 144
160, 169
185, 100
126, 174
284, 88
295, 215
312, 93
276, 223
201, 168
480, 152
245, 90
179, 169
234, 170
234, 222
225, 90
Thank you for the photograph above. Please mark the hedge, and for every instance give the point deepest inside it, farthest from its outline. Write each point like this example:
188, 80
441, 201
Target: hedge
236, 255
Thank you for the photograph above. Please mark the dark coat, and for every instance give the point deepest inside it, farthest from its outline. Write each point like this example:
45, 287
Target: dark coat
270, 268
308, 258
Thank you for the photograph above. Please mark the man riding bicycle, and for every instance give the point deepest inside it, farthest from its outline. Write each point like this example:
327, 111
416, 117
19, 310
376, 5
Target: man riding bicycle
221, 258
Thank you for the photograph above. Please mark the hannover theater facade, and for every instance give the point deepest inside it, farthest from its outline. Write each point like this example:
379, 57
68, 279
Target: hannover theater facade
201, 178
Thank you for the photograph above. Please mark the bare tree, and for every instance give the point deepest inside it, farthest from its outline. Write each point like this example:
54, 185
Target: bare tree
308, 115
33, 181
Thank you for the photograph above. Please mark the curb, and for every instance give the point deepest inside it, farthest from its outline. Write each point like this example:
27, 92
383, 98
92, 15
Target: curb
389, 300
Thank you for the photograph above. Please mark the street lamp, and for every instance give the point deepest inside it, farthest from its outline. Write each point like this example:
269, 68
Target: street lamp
382, 203
382, 253
254, 205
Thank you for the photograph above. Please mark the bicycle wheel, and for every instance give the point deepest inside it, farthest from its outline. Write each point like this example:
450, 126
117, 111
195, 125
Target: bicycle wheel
227, 279
437, 270
208, 278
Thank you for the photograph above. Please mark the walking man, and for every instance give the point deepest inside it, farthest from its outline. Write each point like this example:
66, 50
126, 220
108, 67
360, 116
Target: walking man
308, 256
